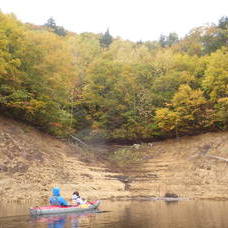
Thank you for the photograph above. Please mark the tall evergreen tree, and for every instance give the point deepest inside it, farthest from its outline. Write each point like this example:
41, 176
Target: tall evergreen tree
106, 39
167, 41
162, 40
59, 30
172, 38
223, 23
51, 23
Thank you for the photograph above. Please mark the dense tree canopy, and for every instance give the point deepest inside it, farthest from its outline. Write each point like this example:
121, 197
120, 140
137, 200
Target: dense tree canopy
93, 85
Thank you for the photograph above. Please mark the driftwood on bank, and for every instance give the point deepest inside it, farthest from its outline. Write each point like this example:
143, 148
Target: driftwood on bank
208, 156
216, 157
80, 142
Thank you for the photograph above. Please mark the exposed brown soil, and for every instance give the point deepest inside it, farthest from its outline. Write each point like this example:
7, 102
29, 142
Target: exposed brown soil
191, 167
31, 163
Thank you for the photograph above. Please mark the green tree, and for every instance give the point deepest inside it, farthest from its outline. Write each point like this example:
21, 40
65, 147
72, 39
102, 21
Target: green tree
223, 23
50, 23
59, 30
167, 41
106, 39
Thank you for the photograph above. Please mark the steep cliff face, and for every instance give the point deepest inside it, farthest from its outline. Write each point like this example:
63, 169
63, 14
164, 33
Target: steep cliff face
31, 163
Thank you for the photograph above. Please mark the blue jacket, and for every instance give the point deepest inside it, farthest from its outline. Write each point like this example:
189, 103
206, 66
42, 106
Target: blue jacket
56, 199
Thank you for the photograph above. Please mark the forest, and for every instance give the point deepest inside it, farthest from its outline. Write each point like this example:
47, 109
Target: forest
95, 86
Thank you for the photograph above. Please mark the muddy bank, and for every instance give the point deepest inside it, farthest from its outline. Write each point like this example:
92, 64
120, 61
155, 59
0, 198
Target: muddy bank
31, 163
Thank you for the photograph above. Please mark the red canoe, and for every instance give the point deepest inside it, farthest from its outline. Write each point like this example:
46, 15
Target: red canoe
64, 209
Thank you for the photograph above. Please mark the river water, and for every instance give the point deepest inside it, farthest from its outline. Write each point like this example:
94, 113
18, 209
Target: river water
129, 214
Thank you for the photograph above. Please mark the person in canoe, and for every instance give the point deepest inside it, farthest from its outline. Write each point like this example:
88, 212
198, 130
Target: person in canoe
76, 198
56, 198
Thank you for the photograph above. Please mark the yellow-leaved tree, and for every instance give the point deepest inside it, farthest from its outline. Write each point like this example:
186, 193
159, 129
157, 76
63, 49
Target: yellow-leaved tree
187, 113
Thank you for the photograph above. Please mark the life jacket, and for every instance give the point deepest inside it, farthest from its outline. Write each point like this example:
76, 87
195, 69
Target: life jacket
77, 199
54, 201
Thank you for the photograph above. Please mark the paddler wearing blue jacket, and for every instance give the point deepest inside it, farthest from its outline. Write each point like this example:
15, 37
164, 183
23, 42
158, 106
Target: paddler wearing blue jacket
56, 199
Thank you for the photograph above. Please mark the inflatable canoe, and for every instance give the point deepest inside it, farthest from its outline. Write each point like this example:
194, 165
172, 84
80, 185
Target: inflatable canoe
64, 209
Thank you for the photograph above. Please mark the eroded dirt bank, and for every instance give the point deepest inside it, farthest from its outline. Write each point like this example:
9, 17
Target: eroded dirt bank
191, 167
31, 163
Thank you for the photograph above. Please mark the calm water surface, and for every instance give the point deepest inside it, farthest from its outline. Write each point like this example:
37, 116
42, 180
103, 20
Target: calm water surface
151, 214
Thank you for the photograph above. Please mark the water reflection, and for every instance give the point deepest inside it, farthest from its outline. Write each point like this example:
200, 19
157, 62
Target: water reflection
63, 220
52, 221
124, 214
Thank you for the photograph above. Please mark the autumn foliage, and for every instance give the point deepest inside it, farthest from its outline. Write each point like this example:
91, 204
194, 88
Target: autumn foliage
66, 83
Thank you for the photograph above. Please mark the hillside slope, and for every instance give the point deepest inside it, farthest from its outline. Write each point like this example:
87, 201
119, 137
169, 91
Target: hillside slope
192, 167
31, 163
